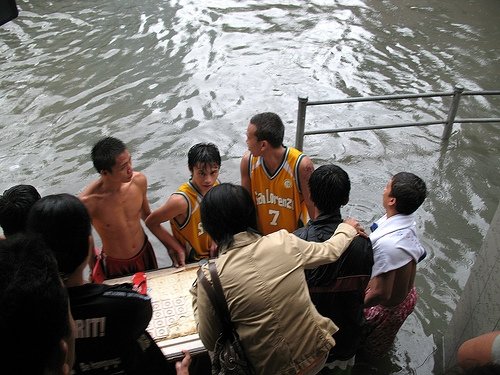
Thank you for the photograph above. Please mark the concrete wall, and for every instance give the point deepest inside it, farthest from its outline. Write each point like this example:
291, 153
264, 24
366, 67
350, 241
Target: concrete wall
478, 310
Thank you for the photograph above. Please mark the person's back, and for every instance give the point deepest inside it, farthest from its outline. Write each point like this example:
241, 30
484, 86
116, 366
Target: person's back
281, 328
111, 327
337, 289
111, 320
15, 204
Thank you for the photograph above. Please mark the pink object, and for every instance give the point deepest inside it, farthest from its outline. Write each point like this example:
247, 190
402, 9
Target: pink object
140, 285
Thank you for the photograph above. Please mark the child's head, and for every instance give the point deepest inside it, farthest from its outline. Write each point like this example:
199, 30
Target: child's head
204, 164
203, 155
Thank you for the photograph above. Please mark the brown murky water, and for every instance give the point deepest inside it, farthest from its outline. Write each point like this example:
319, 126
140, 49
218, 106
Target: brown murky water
163, 75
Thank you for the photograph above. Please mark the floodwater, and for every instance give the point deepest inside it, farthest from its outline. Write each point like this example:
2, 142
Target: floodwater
163, 75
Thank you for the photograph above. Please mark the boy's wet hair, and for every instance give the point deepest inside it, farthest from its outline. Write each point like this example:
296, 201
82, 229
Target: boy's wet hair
329, 186
15, 204
203, 154
269, 127
104, 153
409, 190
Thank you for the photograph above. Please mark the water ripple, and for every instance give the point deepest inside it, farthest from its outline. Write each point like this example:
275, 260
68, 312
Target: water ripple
165, 75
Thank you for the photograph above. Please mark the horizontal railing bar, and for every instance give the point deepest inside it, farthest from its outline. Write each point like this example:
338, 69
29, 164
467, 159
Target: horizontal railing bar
396, 97
405, 125
476, 120
494, 92
342, 130
378, 98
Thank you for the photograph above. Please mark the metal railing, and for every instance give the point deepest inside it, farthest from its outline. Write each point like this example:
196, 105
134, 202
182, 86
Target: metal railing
456, 94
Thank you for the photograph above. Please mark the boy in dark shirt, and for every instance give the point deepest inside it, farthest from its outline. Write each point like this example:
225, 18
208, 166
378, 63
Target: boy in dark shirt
337, 289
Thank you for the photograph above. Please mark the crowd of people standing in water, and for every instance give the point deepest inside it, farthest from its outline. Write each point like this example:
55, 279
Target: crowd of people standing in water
308, 291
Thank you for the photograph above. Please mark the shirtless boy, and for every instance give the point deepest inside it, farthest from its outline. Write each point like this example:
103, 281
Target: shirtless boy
391, 295
182, 208
276, 176
116, 203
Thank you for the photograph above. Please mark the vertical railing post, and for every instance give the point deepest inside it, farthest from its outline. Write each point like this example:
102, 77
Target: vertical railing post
301, 122
457, 93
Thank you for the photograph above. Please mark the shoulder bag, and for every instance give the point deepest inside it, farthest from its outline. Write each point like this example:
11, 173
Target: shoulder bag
228, 357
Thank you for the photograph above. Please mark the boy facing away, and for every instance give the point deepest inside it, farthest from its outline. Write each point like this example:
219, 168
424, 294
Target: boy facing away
275, 176
337, 289
391, 295
15, 204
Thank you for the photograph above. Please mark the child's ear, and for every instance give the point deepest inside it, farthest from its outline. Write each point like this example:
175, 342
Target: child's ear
391, 201
264, 145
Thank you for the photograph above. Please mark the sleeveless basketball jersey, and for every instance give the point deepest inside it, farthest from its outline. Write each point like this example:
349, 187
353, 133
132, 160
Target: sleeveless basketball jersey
278, 197
190, 233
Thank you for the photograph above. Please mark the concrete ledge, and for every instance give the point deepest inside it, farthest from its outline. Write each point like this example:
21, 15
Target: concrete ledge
478, 310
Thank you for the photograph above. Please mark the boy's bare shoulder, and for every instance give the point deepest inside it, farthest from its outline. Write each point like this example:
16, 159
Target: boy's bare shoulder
91, 189
140, 179
91, 196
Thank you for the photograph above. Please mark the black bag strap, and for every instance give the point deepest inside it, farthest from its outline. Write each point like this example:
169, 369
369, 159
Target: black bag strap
216, 296
219, 292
